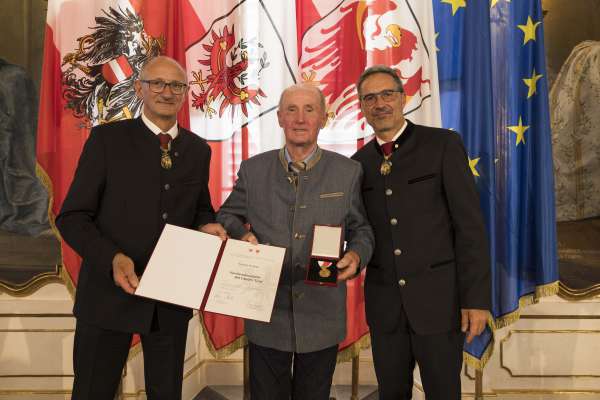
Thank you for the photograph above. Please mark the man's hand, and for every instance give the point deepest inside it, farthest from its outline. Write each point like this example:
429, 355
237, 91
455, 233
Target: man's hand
473, 321
124, 273
348, 265
250, 238
214, 229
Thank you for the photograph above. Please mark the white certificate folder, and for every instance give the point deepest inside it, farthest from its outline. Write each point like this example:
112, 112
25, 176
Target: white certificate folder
197, 270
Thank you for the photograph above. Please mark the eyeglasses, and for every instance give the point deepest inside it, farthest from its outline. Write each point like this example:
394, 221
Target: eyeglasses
158, 85
387, 95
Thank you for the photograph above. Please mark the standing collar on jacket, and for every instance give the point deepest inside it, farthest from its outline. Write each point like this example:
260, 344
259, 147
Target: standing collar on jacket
173, 131
311, 160
401, 138
288, 157
396, 136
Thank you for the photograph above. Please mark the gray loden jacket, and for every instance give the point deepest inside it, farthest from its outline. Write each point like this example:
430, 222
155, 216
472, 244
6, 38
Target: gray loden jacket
305, 317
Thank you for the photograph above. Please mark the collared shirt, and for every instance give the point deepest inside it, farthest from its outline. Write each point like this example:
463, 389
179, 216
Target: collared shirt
396, 136
288, 158
173, 131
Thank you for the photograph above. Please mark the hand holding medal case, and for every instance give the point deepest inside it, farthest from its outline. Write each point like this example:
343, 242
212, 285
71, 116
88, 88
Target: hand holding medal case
325, 252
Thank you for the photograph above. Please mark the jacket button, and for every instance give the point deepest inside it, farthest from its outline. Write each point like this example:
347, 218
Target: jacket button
401, 282
298, 296
167, 186
397, 252
165, 216
394, 221
388, 192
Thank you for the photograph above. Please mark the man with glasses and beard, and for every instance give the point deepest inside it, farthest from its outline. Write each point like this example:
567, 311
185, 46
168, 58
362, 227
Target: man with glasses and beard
133, 177
428, 282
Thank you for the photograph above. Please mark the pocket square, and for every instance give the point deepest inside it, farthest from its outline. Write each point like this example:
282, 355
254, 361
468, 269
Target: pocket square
330, 195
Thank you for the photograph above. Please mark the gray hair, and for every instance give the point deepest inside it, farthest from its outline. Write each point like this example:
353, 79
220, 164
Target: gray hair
305, 86
380, 69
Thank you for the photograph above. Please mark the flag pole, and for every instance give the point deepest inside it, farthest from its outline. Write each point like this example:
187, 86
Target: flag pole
478, 384
355, 372
246, 373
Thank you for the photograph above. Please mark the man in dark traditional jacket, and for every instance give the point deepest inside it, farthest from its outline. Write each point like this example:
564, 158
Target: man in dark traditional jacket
428, 282
133, 177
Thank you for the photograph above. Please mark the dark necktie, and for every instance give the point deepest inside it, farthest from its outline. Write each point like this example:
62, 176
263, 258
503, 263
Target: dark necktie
165, 139
387, 148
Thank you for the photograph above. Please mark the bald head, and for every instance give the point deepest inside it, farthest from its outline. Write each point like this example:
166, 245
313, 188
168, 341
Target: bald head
154, 87
305, 87
161, 62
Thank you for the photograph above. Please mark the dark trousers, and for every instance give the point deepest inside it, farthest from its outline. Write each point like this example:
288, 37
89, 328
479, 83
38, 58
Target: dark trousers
439, 357
281, 375
99, 356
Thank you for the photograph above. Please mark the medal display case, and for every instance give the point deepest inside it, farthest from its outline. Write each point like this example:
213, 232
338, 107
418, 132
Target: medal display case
325, 252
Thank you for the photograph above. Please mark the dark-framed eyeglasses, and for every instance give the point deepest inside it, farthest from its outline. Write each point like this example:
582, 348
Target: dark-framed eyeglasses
158, 85
387, 95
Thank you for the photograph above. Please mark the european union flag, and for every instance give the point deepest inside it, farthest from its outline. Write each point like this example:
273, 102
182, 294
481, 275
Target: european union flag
494, 92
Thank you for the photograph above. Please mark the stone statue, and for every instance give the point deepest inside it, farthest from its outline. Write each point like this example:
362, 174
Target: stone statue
23, 199
575, 110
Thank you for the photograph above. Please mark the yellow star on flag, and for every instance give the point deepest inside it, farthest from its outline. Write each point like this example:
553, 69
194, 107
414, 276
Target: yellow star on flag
456, 4
519, 130
529, 30
472, 164
494, 2
531, 83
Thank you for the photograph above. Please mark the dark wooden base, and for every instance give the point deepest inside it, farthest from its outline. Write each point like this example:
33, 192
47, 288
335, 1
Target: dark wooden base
579, 253
25, 260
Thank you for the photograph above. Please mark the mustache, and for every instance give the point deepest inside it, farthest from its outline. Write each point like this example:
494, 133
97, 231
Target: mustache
382, 111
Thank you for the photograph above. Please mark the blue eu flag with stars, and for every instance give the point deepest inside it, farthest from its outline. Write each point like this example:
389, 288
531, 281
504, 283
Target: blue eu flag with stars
494, 92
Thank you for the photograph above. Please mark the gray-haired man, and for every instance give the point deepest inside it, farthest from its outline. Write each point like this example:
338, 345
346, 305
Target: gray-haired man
282, 194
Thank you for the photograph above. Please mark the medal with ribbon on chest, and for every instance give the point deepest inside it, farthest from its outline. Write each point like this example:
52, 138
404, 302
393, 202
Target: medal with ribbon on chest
386, 164
165, 146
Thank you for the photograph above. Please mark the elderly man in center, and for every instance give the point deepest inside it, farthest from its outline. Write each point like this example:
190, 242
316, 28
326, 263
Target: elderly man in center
281, 194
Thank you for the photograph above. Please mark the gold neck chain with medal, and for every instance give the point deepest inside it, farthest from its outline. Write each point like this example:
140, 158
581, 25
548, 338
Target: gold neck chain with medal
165, 157
386, 164
165, 146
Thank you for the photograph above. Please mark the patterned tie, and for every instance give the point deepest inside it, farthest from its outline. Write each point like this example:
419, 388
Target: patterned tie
295, 167
165, 139
387, 148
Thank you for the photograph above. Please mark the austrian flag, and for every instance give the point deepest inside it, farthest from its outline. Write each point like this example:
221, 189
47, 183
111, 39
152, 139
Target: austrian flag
117, 70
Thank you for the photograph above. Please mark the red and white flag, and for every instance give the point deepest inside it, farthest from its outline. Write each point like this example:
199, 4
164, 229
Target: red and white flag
238, 65
336, 42
92, 54
240, 55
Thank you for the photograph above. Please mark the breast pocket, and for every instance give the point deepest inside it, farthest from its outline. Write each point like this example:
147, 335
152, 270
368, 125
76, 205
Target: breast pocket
425, 190
331, 207
422, 178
